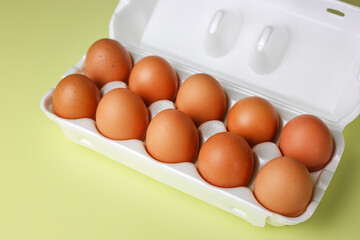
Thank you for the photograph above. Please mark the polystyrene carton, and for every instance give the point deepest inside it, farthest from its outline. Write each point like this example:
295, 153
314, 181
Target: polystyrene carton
297, 54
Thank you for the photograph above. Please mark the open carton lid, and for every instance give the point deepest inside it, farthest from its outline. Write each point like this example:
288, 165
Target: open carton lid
297, 53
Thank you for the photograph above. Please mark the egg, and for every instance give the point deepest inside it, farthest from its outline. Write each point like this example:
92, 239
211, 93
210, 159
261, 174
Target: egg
283, 185
253, 118
202, 98
307, 139
226, 160
172, 137
153, 79
122, 115
107, 60
75, 96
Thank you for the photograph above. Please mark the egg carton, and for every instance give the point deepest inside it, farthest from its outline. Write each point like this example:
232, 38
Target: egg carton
299, 55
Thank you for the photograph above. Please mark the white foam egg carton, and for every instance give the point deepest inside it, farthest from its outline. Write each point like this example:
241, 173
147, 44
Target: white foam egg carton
295, 53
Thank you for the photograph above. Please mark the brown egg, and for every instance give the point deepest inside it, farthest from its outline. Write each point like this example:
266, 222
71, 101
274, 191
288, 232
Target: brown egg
226, 160
172, 137
153, 79
284, 186
202, 98
307, 139
75, 96
107, 60
253, 118
122, 115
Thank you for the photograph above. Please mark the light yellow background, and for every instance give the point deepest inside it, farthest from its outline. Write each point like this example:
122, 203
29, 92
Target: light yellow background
52, 188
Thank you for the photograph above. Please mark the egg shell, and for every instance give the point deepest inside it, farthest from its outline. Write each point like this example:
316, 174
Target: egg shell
153, 79
172, 137
284, 186
307, 139
238, 201
107, 60
75, 96
121, 115
202, 98
226, 160
253, 118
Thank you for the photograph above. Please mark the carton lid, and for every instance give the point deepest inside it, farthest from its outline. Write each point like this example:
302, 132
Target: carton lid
304, 54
